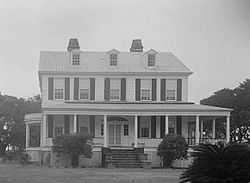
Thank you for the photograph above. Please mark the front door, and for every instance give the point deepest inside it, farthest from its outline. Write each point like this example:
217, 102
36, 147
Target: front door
114, 134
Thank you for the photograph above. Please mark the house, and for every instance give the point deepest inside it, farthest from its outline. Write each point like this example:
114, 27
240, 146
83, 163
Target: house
126, 100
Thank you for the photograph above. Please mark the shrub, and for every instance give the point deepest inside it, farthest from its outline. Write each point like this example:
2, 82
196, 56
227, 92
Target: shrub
219, 163
172, 147
75, 145
23, 158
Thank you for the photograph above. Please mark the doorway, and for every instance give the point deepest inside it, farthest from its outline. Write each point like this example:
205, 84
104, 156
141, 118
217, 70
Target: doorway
115, 134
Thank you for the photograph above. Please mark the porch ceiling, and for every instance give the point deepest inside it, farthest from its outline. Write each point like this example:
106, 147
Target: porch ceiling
141, 108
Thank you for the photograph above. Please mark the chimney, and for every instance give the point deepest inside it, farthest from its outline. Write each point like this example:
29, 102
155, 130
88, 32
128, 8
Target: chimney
136, 46
73, 44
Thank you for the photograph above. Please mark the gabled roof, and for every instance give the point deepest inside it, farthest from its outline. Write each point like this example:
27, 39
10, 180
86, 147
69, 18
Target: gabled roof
135, 62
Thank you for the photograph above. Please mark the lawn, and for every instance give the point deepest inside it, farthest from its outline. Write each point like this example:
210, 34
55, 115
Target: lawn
33, 174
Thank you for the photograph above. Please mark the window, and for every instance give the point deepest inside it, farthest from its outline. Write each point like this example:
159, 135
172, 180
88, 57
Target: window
83, 130
146, 89
144, 132
151, 60
125, 130
59, 88
171, 127
84, 87
75, 59
115, 89
58, 131
171, 89
101, 129
113, 59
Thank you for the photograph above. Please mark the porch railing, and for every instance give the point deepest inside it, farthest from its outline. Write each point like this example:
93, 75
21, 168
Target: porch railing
204, 140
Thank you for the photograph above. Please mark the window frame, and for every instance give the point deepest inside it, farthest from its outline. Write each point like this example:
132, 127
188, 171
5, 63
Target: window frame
59, 86
151, 60
73, 61
118, 89
83, 87
125, 130
142, 132
170, 90
57, 130
113, 59
143, 89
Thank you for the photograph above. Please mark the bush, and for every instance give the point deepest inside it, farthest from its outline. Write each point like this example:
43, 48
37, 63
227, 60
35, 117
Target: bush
219, 163
172, 147
23, 158
75, 145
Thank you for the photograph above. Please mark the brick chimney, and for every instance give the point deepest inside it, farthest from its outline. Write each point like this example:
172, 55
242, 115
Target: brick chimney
136, 46
73, 44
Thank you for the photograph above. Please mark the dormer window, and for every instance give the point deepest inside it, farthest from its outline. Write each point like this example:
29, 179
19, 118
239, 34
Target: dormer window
151, 60
75, 59
113, 59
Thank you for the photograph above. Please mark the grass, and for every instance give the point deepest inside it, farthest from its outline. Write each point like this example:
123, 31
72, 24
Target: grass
33, 174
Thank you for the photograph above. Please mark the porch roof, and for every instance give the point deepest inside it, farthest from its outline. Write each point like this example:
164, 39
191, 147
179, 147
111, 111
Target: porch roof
140, 108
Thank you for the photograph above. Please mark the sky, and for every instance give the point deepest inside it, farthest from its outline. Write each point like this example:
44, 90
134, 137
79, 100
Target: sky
211, 37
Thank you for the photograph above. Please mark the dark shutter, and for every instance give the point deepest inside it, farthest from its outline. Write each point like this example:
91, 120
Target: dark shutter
107, 89
137, 89
50, 88
179, 125
67, 88
153, 126
162, 126
77, 123
92, 125
138, 127
50, 126
179, 89
92, 88
76, 88
154, 89
163, 89
66, 124
123, 89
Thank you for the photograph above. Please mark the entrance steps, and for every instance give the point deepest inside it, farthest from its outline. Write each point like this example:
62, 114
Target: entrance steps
124, 158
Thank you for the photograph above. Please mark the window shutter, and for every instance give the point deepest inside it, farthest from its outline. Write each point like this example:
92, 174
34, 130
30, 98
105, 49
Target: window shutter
66, 124
50, 88
92, 88
123, 89
163, 89
154, 89
67, 88
179, 125
162, 126
138, 127
179, 89
77, 123
92, 125
76, 88
137, 89
50, 126
153, 126
107, 89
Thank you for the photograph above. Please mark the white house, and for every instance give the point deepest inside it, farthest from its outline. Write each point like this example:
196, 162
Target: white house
125, 99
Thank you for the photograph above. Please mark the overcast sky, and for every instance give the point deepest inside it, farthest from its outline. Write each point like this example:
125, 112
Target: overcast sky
211, 37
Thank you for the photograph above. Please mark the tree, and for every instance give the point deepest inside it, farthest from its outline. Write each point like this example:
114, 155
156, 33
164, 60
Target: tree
75, 145
12, 127
172, 147
237, 99
219, 163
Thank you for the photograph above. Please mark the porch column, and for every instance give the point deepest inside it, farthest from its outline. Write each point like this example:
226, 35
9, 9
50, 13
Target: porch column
228, 129
75, 124
136, 131
197, 135
27, 135
105, 131
201, 129
166, 125
44, 130
213, 128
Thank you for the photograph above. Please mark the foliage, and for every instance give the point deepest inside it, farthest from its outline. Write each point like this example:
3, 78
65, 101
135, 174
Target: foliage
73, 144
237, 99
12, 127
219, 163
172, 147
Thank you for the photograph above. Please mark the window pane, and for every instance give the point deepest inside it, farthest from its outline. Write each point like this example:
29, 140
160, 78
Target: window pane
76, 59
125, 130
58, 131
114, 95
115, 89
113, 59
151, 60
84, 93
144, 132
58, 93
145, 94
170, 95
83, 130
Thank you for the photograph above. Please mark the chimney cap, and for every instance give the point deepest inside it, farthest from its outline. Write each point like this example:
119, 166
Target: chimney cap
73, 44
136, 46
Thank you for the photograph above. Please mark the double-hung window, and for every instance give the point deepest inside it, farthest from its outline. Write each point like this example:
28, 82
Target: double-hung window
75, 59
113, 59
170, 89
58, 131
151, 60
115, 86
84, 87
144, 132
59, 88
146, 89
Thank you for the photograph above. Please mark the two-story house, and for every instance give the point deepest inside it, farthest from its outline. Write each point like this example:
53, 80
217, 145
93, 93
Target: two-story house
124, 99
